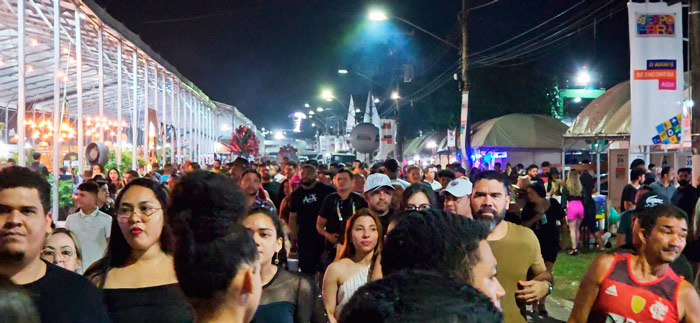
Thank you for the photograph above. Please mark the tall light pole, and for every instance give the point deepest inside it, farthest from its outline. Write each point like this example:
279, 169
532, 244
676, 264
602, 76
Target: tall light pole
379, 15
694, 35
465, 140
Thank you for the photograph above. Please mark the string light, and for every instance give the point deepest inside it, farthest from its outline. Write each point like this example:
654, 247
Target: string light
30, 68
34, 42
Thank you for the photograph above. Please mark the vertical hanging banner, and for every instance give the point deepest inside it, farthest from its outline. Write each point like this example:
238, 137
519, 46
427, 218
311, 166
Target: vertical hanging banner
387, 136
451, 140
656, 73
463, 125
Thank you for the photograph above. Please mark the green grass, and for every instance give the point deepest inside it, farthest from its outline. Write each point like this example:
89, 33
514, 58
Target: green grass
568, 271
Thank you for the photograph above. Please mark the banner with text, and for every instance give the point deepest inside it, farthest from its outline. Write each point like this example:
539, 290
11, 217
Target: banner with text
656, 73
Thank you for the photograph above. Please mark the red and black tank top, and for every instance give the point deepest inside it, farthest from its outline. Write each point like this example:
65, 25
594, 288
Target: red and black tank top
621, 298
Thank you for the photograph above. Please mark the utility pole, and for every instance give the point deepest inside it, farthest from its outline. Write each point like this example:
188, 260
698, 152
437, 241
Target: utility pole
694, 35
399, 132
465, 138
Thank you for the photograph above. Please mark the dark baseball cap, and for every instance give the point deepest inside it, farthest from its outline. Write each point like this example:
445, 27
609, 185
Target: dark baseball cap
649, 200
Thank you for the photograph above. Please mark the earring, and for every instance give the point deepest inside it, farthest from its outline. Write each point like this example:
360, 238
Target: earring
277, 258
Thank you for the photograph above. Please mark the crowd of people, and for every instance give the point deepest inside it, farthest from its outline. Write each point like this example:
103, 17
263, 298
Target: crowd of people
309, 242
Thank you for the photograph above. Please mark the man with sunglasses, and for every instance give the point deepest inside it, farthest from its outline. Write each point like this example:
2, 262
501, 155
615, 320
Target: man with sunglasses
90, 225
335, 211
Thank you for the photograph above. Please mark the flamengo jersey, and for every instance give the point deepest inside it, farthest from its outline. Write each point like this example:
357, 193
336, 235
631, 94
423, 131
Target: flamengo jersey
622, 299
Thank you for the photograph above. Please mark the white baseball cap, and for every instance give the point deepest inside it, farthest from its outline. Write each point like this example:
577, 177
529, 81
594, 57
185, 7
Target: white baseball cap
458, 187
377, 180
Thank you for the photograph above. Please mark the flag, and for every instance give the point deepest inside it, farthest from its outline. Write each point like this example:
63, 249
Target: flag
368, 111
375, 116
351, 118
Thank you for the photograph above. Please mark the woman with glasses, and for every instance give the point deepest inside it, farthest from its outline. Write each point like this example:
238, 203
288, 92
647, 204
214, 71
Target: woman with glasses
418, 197
136, 274
286, 296
353, 267
62, 249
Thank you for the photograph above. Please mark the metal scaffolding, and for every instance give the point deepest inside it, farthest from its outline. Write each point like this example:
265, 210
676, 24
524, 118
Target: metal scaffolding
72, 65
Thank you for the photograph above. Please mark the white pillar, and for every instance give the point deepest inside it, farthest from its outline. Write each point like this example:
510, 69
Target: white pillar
145, 112
101, 78
165, 124
178, 130
191, 126
155, 110
79, 90
173, 147
56, 106
118, 153
21, 67
199, 131
134, 110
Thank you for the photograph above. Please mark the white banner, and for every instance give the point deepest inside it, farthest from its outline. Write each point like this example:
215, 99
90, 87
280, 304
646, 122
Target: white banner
387, 137
656, 73
463, 127
451, 140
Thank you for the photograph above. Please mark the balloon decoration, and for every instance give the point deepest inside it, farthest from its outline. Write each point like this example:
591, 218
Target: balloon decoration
287, 151
244, 142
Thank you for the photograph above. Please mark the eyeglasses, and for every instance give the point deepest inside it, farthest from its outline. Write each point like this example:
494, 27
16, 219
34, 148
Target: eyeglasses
51, 255
421, 207
145, 212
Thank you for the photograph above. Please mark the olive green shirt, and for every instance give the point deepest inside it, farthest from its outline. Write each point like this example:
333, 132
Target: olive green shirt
518, 254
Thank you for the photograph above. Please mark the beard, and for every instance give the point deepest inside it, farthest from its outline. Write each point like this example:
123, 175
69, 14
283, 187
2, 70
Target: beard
683, 182
10, 256
307, 182
490, 221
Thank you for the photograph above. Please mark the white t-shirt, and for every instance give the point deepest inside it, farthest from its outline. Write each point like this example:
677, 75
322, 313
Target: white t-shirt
93, 231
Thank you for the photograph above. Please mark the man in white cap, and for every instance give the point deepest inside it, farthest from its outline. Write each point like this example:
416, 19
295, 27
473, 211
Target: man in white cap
377, 192
456, 197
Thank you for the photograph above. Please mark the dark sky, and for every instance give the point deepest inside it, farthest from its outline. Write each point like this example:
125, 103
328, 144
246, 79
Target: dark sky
270, 57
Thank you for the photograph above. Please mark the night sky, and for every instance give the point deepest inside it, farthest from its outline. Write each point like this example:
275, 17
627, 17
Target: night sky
270, 57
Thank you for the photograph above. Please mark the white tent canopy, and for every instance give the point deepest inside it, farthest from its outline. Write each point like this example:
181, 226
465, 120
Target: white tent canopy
608, 116
521, 131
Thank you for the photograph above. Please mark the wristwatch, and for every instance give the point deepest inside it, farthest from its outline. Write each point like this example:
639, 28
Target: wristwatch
550, 289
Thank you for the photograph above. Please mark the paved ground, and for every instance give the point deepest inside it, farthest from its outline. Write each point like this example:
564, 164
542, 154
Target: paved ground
558, 309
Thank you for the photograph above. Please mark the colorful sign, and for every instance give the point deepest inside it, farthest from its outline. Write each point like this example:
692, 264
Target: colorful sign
669, 132
656, 75
656, 25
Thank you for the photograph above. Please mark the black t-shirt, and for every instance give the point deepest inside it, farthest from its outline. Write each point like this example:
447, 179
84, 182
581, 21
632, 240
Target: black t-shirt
272, 188
386, 219
307, 205
64, 296
628, 194
337, 211
685, 198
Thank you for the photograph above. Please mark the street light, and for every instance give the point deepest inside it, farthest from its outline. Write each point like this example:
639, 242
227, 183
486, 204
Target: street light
327, 95
377, 15
395, 95
583, 78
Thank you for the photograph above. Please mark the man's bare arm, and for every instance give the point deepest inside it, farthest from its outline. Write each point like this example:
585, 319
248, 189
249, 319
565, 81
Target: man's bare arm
588, 290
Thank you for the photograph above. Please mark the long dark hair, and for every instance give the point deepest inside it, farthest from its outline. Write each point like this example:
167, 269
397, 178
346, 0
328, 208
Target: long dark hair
418, 188
279, 231
118, 250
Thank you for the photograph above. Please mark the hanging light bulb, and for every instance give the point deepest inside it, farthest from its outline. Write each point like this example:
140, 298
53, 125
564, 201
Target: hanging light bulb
30, 69
34, 42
